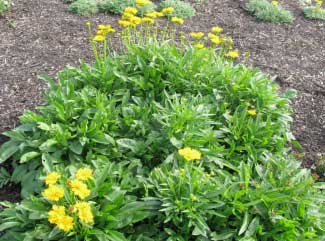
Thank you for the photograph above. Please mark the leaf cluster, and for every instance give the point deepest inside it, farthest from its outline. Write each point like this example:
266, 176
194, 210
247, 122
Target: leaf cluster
181, 9
265, 11
132, 112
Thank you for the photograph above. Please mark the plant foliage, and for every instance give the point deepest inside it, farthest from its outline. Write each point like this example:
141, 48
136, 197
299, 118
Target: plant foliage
266, 11
182, 9
186, 146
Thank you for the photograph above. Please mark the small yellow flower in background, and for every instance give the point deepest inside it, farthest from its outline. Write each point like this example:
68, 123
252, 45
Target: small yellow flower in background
154, 14
130, 10
216, 40
211, 35
199, 46
193, 198
168, 10
99, 38
127, 16
197, 35
190, 154
177, 20
104, 29
216, 29
142, 3
124, 23
79, 188
84, 174
319, 3
84, 212
275, 3
252, 112
232, 54
65, 223
53, 193
147, 20
135, 21
88, 24
55, 214
52, 178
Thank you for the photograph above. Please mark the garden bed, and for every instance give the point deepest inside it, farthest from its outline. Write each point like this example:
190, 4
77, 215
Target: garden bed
47, 38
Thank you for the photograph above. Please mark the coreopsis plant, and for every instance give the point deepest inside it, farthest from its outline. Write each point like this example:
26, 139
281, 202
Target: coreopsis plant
313, 9
83, 206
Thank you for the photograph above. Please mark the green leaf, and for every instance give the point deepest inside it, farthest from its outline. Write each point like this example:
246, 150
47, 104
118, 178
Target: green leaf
8, 225
222, 236
47, 144
244, 224
29, 156
8, 149
75, 147
115, 235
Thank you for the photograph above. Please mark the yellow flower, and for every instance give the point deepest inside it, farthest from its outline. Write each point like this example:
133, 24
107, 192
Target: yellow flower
135, 21
130, 10
142, 3
319, 3
79, 188
56, 213
199, 46
177, 20
252, 112
110, 30
147, 20
233, 54
216, 29
84, 212
275, 3
197, 35
65, 223
53, 193
168, 10
99, 38
127, 16
154, 14
103, 27
52, 178
88, 24
216, 40
193, 198
211, 35
190, 154
84, 174
124, 23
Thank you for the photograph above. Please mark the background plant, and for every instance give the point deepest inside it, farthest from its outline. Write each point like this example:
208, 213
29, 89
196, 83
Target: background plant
313, 10
4, 5
269, 11
182, 9
84, 7
117, 7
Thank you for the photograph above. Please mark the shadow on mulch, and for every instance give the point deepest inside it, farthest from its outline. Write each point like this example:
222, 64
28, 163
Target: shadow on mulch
47, 38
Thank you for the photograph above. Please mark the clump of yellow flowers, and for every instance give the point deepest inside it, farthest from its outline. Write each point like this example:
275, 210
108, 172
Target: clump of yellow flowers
133, 32
65, 214
190, 154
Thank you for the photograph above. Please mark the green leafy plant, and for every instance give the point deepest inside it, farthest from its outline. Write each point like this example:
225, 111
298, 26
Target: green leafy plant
313, 10
181, 9
269, 11
117, 7
185, 144
84, 7
4, 5
105, 209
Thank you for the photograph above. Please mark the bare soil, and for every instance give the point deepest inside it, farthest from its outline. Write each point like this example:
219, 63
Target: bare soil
47, 38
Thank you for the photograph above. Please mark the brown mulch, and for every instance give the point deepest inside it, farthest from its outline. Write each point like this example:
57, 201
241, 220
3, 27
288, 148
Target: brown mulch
47, 38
